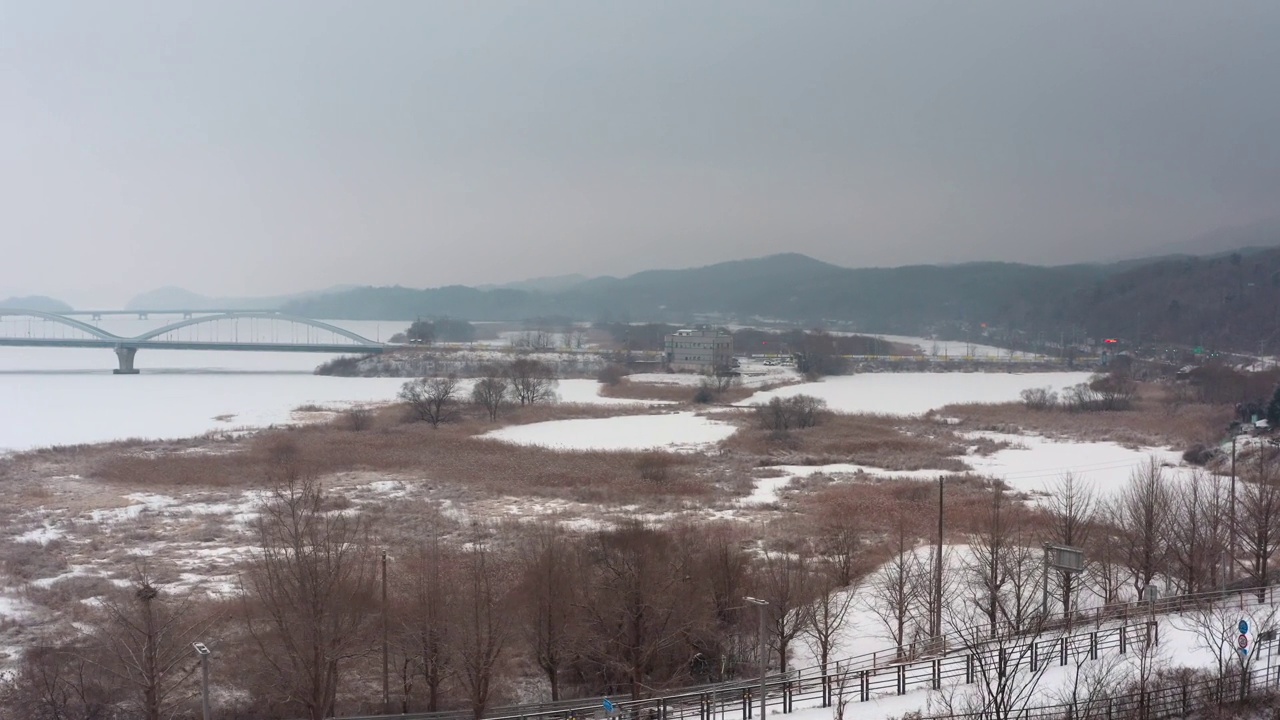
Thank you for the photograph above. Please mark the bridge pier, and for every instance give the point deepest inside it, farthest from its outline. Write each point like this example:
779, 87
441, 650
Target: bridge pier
125, 356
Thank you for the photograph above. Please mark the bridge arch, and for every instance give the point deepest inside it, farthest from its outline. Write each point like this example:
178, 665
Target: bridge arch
64, 320
152, 334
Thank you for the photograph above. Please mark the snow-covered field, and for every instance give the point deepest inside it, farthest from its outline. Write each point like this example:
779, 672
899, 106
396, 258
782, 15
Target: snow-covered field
1032, 465
918, 393
766, 489
70, 396
683, 431
1035, 464
752, 373
1183, 643
956, 348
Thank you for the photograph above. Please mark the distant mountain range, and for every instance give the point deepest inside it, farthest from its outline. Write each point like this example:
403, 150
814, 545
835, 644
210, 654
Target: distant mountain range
1225, 300
556, 283
175, 298
1257, 235
35, 302
789, 287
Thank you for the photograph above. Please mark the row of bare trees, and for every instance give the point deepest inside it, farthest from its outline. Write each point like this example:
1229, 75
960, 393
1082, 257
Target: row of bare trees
438, 400
472, 616
1160, 529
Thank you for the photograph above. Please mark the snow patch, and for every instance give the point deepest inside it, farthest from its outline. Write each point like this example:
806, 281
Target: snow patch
918, 393
1035, 464
681, 432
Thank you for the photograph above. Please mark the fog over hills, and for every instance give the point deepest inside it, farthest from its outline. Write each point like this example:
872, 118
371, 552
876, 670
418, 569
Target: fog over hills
1229, 300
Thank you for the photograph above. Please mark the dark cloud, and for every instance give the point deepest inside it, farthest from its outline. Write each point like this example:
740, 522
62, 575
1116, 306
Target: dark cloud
239, 147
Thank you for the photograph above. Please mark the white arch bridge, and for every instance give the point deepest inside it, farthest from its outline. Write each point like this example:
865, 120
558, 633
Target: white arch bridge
266, 332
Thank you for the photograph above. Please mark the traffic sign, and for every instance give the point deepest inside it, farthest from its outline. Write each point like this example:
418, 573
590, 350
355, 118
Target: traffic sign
1243, 642
1243, 627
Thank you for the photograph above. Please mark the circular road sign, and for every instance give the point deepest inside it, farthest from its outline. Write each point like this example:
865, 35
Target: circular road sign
1243, 641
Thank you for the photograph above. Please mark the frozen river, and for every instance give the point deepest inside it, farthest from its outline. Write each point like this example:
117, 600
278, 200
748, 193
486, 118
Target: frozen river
52, 396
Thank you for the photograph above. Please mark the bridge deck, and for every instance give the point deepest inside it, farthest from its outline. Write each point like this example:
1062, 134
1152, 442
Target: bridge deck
329, 348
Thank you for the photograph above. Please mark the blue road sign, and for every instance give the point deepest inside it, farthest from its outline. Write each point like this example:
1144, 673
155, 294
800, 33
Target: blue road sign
1244, 627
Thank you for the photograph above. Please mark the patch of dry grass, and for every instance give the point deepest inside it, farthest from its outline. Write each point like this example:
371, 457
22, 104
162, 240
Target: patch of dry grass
649, 391
450, 454
30, 561
1151, 422
879, 441
875, 506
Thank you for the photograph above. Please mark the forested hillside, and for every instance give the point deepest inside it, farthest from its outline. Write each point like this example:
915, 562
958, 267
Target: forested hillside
1226, 302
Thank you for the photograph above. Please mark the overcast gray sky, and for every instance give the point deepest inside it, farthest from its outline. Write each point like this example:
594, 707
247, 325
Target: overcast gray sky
263, 147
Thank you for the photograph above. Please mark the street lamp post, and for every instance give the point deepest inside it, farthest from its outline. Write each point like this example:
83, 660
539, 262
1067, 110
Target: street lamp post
203, 651
764, 656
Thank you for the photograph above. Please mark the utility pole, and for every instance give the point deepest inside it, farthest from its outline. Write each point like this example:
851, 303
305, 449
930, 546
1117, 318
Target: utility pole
386, 677
764, 656
937, 571
1231, 565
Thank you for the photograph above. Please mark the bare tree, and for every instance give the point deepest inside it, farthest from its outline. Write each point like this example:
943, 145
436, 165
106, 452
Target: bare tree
786, 582
1105, 571
633, 608
1024, 575
144, 638
729, 632
1198, 532
57, 683
1214, 626
891, 590
828, 614
549, 592
426, 591
988, 565
1071, 505
1258, 520
1141, 515
483, 624
1005, 678
490, 392
532, 381
432, 400
839, 691
931, 604
309, 592
1089, 685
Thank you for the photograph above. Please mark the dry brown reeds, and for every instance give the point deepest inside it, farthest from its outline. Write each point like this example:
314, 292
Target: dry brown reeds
664, 392
879, 441
449, 455
1148, 423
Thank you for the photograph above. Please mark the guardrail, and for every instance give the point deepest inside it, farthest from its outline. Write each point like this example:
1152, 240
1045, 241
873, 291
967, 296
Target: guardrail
886, 672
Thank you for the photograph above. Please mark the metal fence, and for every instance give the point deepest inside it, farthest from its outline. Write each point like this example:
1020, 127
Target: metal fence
1164, 699
956, 659
860, 683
